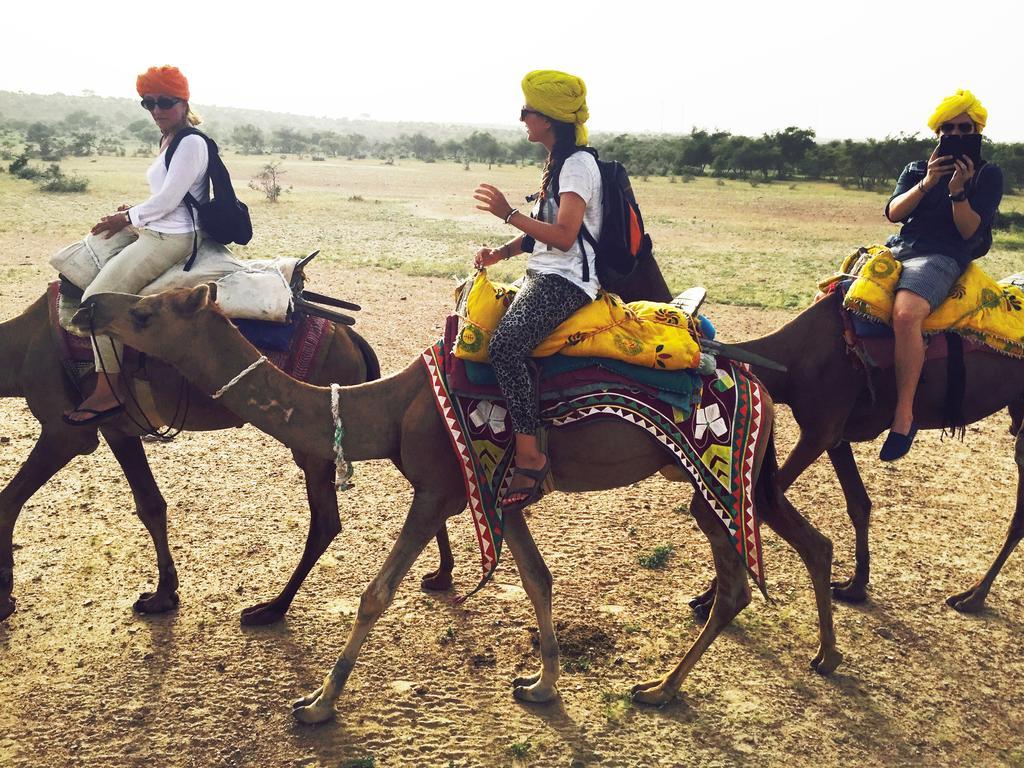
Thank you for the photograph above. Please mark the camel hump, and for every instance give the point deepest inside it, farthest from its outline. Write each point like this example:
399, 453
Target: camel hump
691, 300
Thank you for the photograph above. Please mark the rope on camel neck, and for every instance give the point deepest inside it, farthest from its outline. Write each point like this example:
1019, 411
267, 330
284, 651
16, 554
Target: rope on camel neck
216, 395
343, 473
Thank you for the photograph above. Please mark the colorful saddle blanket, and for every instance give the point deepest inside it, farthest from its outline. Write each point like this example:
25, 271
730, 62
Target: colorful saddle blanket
642, 333
298, 348
978, 308
713, 442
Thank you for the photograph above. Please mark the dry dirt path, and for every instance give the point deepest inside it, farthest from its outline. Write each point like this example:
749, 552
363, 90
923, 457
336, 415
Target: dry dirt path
85, 682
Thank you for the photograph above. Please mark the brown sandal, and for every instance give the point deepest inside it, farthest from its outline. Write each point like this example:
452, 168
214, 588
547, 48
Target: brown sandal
532, 493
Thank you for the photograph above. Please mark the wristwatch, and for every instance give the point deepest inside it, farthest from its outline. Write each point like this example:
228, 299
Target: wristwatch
959, 197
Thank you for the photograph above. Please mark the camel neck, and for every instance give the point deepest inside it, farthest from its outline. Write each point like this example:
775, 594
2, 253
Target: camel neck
15, 336
298, 414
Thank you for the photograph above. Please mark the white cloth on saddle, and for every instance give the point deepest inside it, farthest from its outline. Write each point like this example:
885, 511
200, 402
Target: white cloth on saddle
246, 289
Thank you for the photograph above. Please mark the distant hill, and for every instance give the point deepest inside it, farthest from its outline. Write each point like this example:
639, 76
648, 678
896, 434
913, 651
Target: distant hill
115, 114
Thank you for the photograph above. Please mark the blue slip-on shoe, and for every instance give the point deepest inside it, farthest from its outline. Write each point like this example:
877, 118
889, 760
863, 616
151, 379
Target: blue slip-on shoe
896, 445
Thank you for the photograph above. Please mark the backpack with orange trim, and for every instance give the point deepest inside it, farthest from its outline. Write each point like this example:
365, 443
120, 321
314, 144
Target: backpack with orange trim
623, 241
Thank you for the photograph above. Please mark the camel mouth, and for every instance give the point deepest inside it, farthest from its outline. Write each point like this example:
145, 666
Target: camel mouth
83, 320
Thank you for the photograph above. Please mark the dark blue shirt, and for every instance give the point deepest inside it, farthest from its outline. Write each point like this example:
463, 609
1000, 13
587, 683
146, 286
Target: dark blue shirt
930, 227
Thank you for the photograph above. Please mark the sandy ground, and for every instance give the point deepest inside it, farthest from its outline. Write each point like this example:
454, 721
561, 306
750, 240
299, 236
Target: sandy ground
84, 681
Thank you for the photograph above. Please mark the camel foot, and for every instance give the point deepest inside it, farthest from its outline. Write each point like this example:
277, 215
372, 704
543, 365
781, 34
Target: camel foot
262, 614
156, 602
653, 692
7, 606
437, 581
701, 611
313, 709
827, 660
527, 681
971, 601
850, 591
536, 692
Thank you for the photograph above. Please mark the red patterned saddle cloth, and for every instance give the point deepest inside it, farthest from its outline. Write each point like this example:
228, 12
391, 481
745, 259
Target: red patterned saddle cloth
298, 349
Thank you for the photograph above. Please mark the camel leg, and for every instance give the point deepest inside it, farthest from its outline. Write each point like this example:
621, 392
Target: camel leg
815, 550
806, 451
440, 580
324, 525
55, 447
151, 508
973, 599
858, 507
426, 516
537, 581
731, 597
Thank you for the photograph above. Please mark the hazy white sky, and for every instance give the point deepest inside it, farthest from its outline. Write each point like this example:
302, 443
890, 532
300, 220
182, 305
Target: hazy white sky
847, 69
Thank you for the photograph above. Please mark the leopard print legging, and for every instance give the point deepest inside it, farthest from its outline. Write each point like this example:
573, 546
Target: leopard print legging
540, 306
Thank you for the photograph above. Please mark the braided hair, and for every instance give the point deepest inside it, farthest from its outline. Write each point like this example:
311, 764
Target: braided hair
564, 146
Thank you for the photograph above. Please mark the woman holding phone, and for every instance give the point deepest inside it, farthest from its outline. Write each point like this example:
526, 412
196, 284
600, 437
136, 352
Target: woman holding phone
946, 206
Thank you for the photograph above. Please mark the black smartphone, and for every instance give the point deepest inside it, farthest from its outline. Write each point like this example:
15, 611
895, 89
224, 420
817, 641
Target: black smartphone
959, 146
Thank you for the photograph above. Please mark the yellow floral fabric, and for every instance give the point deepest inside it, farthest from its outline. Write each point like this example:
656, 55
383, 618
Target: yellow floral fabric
977, 307
643, 333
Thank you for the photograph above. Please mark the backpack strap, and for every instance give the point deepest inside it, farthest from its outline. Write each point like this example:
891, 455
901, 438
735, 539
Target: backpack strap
190, 202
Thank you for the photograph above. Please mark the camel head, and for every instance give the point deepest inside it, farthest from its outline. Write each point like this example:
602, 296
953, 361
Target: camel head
165, 325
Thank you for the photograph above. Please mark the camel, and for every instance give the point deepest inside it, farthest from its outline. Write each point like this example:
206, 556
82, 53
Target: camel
396, 418
32, 369
830, 396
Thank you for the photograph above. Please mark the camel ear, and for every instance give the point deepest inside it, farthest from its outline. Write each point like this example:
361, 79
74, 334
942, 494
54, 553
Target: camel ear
213, 291
196, 300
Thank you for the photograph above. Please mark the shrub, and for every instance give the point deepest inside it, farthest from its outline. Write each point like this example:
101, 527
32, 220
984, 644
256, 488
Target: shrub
268, 181
657, 558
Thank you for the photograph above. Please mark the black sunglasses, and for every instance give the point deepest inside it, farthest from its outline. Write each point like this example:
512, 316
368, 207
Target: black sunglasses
164, 102
524, 112
948, 128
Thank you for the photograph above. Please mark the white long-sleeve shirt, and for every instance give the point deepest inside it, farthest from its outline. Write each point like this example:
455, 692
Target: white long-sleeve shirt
165, 210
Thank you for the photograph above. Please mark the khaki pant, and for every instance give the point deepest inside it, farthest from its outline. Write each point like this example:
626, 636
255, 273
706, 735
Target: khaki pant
131, 270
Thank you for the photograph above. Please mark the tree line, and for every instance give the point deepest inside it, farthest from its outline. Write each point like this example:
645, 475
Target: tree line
793, 153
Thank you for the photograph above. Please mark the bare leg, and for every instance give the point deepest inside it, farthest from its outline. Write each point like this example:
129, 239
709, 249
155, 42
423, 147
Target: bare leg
858, 507
973, 599
425, 518
56, 446
731, 597
103, 397
537, 582
151, 508
908, 313
324, 525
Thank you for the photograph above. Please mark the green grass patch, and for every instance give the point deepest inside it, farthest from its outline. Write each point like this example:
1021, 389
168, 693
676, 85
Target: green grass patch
656, 558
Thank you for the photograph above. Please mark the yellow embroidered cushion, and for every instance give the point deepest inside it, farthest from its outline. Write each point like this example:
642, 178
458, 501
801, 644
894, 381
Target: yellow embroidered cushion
642, 333
977, 306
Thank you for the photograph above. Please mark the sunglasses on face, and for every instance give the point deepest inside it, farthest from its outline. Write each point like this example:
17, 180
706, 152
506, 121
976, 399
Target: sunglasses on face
948, 128
524, 112
164, 102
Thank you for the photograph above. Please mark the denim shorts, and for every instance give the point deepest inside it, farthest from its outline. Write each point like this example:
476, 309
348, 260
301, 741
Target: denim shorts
930, 276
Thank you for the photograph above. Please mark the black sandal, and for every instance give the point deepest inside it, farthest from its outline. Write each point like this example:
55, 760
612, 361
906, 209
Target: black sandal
532, 493
98, 417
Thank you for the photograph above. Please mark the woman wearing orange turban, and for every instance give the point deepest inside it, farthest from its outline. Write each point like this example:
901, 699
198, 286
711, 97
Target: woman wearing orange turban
560, 271
946, 206
164, 225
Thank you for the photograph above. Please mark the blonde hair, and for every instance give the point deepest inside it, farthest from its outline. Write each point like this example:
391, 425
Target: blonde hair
193, 118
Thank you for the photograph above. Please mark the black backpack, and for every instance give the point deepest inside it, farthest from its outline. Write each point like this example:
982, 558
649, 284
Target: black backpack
225, 218
623, 241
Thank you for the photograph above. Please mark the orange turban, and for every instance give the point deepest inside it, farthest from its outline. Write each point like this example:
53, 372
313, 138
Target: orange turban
163, 81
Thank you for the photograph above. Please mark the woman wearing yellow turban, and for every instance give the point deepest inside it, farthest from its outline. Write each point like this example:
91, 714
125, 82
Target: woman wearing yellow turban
163, 223
946, 206
560, 272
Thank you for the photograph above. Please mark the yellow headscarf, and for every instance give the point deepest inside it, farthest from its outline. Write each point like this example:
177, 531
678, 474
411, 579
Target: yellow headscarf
963, 101
559, 96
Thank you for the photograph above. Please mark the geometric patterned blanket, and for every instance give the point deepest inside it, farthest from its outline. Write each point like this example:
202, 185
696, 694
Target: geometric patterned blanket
713, 443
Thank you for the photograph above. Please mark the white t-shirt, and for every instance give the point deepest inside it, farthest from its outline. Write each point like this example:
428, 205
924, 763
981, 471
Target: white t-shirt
581, 175
165, 210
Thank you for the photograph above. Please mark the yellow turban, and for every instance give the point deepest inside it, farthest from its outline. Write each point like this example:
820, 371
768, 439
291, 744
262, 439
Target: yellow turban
559, 96
961, 102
